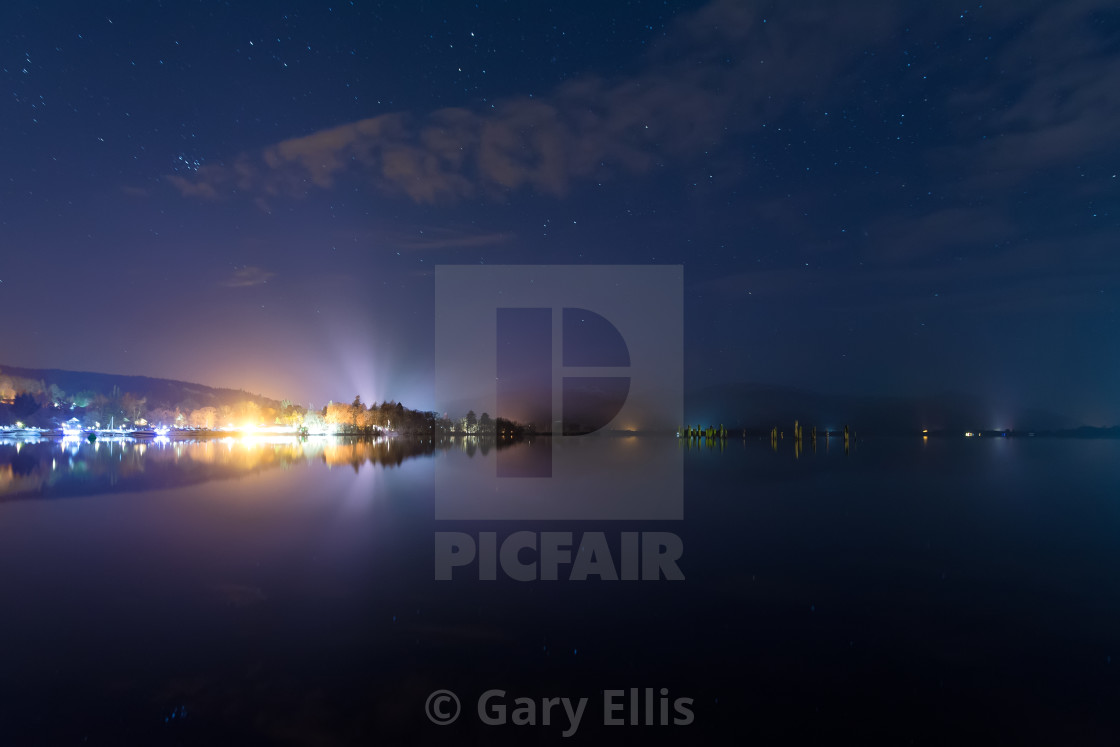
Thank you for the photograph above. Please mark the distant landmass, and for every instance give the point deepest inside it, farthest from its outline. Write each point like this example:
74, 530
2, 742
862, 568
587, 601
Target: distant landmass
736, 406
761, 406
55, 399
167, 392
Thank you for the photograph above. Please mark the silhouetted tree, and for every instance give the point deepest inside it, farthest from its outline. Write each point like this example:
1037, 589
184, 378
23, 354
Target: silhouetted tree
356, 410
24, 406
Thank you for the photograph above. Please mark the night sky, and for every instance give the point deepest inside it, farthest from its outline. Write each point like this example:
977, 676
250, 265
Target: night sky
866, 198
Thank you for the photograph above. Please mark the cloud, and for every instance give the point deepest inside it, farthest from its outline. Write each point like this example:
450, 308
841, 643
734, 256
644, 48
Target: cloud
447, 238
1016, 279
721, 71
1035, 96
247, 276
911, 236
201, 187
1053, 101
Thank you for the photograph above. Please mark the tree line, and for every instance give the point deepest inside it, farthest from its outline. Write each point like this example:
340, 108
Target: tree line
37, 404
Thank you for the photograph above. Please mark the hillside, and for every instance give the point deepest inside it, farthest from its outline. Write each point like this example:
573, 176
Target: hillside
49, 398
159, 392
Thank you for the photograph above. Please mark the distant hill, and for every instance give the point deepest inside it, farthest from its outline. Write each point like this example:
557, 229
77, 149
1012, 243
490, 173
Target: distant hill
761, 406
162, 392
50, 398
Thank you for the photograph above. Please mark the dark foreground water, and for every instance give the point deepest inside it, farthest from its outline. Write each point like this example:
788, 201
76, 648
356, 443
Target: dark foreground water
252, 593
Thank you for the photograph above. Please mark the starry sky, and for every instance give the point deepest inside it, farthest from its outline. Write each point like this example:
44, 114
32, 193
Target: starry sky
893, 198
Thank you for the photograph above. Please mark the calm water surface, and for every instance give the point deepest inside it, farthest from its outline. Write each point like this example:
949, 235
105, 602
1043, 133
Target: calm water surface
277, 592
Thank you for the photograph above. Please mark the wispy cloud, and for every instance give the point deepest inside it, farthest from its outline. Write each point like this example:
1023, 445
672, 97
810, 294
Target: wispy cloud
1038, 98
199, 187
1053, 102
1016, 279
913, 235
449, 238
247, 276
721, 71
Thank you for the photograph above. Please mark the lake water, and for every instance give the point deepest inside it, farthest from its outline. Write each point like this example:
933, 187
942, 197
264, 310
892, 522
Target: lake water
256, 592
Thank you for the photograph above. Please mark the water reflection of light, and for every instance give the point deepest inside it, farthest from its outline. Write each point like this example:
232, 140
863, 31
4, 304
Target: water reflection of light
171, 460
